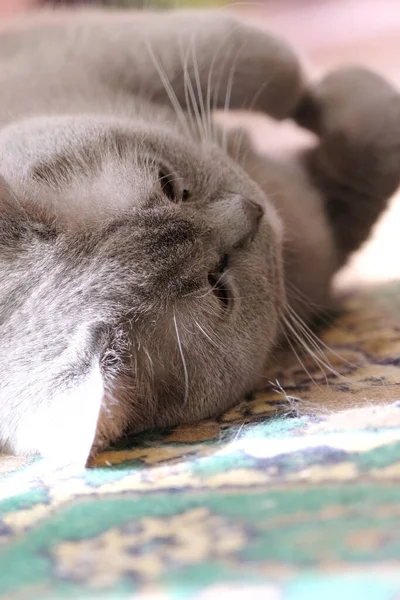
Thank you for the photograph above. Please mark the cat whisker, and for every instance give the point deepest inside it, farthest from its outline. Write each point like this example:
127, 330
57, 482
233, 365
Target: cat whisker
292, 401
211, 124
298, 330
206, 335
203, 115
299, 359
311, 348
316, 340
185, 370
215, 286
190, 98
323, 362
228, 95
169, 90
171, 179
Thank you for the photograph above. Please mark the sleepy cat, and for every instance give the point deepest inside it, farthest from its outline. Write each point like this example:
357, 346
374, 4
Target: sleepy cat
145, 253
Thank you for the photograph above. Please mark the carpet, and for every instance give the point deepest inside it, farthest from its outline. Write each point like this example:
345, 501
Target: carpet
293, 494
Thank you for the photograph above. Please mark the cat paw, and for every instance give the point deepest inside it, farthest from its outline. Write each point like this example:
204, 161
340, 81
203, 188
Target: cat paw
356, 113
353, 100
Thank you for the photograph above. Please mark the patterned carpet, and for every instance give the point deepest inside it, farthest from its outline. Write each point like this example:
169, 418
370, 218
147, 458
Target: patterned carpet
293, 494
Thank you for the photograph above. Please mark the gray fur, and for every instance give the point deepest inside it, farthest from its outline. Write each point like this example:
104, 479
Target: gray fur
113, 317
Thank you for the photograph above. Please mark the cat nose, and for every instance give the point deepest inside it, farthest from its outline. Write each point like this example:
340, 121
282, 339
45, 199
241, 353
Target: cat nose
254, 212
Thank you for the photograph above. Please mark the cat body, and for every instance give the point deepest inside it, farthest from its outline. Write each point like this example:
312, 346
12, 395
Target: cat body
146, 254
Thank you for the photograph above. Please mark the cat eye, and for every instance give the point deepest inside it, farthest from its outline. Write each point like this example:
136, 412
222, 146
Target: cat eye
169, 189
167, 185
218, 283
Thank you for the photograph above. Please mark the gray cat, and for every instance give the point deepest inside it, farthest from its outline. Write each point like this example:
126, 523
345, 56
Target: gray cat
145, 254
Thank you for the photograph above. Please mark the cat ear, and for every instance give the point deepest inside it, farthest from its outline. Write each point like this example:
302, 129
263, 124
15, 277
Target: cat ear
61, 427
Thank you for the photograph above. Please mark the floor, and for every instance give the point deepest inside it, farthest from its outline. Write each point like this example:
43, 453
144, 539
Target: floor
328, 33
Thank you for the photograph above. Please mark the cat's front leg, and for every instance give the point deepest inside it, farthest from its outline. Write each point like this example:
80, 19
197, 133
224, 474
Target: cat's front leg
201, 61
58, 423
51, 339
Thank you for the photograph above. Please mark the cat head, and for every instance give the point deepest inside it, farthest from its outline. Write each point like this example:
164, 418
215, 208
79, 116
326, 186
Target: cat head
180, 252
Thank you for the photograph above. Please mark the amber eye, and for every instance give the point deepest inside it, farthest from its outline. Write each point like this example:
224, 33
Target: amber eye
167, 185
218, 282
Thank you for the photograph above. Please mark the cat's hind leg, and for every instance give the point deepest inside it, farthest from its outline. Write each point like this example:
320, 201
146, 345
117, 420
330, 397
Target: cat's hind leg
356, 164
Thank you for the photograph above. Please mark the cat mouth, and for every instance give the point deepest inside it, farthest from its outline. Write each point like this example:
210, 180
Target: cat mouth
221, 290
219, 283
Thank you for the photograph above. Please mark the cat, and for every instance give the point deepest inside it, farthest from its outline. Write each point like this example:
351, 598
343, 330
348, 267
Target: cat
146, 254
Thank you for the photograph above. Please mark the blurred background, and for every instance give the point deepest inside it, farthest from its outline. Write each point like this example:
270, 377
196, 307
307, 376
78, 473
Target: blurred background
326, 33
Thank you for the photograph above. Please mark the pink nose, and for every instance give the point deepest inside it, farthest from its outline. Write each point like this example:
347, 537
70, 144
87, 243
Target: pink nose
254, 213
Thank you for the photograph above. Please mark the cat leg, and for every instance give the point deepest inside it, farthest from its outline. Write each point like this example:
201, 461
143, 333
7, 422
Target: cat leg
356, 164
51, 384
330, 196
60, 423
202, 61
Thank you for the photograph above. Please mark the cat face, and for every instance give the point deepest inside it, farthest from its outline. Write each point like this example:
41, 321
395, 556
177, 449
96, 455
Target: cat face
194, 252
